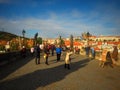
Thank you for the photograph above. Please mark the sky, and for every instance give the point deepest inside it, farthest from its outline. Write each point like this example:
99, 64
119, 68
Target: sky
54, 18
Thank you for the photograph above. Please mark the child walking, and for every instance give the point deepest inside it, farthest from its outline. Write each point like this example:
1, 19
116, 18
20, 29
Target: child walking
68, 59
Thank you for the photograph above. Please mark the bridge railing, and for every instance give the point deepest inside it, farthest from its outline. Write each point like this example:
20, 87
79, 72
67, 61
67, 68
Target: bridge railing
11, 56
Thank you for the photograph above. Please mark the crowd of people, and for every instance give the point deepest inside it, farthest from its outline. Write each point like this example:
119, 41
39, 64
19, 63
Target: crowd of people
108, 57
48, 50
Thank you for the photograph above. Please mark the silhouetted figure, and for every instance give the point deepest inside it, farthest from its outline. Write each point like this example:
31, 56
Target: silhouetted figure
108, 59
93, 52
23, 52
37, 54
115, 55
52, 49
46, 54
58, 52
87, 49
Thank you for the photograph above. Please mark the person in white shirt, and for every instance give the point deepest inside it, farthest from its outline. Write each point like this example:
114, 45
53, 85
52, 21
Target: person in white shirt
68, 59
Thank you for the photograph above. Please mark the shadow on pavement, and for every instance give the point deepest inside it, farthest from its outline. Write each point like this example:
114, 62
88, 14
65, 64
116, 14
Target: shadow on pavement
41, 78
9, 68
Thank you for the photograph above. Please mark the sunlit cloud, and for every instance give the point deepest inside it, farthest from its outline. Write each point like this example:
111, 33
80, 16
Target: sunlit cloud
101, 20
52, 27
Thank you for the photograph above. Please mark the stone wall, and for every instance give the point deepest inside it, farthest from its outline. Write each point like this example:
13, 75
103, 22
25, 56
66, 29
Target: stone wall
11, 56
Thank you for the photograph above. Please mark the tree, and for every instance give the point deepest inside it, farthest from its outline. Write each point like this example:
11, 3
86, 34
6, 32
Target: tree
14, 46
55, 42
60, 40
35, 38
39, 40
2, 47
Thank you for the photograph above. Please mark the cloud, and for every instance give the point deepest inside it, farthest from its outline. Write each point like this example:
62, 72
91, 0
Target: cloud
65, 24
47, 28
76, 13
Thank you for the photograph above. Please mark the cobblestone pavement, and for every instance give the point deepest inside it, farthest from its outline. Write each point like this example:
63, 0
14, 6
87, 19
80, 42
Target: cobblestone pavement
85, 74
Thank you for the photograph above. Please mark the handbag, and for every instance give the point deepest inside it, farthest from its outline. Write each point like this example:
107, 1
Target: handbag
45, 56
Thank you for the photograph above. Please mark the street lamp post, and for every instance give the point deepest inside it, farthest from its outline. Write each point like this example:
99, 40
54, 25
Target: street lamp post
23, 33
71, 41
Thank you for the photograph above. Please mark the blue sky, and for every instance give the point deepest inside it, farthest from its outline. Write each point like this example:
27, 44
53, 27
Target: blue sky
51, 18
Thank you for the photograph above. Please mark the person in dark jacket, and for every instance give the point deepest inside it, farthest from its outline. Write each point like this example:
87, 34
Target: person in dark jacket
115, 55
109, 59
37, 54
46, 54
87, 49
93, 52
23, 52
52, 49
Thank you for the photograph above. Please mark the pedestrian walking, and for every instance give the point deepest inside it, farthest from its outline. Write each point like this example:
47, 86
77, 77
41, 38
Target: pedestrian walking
32, 51
68, 59
87, 49
46, 54
23, 52
37, 54
52, 49
93, 52
58, 52
115, 55
109, 59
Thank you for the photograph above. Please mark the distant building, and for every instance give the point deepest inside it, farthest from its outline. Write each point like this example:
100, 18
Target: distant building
50, 40
93, 40
108, 38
